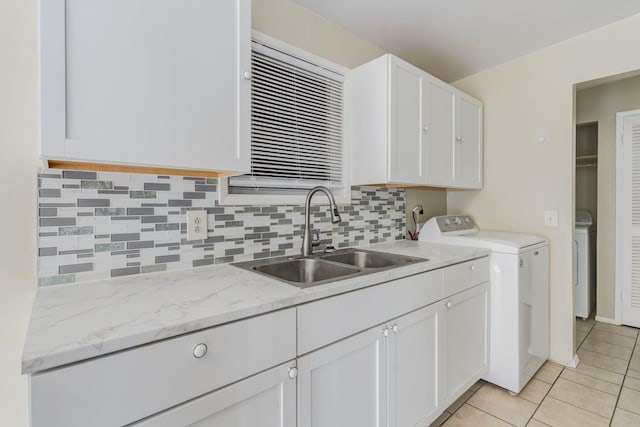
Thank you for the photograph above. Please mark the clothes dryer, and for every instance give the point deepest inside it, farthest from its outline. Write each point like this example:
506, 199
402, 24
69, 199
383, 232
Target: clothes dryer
585, 267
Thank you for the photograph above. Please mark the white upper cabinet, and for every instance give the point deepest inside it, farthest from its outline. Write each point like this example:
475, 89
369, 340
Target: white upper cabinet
409, 128
468, 152
440, 133
158, 83
405, 120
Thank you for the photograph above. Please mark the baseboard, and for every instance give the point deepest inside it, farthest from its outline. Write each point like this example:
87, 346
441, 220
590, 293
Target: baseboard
574, 362
607, 320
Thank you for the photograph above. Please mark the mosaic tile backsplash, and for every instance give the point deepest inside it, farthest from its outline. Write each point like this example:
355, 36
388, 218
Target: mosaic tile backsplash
95, 225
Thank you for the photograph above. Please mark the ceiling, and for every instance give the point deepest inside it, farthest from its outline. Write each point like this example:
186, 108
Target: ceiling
452, 39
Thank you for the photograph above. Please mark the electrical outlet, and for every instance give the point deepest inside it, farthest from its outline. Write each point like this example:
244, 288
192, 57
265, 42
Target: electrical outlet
196, 225
551, 219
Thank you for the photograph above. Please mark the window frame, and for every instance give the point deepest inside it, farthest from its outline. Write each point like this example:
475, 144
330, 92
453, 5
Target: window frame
343, 194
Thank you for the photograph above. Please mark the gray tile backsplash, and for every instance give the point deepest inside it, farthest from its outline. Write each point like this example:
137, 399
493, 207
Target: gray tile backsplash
95, 225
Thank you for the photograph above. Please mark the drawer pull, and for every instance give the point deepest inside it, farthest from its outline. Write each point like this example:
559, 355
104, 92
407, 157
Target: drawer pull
385, 332
395, 328
472, 267
293, 372
449, 304
199, 351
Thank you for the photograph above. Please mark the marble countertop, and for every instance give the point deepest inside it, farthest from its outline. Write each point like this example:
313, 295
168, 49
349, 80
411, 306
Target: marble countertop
75, 322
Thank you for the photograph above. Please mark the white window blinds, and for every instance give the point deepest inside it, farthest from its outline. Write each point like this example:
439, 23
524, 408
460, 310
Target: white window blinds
296, 124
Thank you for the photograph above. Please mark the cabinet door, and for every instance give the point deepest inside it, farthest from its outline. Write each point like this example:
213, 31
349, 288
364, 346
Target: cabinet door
267, 399
148, 83
439, 144
467, 344
344, 384
405, 145
468, 146
414, 356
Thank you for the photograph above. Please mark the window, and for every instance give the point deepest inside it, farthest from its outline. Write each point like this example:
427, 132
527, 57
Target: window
297, 135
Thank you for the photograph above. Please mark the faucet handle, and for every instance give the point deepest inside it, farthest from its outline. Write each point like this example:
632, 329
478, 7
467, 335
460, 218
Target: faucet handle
316, 240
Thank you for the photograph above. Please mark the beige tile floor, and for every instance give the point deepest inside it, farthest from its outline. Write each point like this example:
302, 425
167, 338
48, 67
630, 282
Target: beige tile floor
604, 390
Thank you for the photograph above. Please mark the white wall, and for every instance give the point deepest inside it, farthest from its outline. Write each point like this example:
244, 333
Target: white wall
526, 98
18, 163
600, 104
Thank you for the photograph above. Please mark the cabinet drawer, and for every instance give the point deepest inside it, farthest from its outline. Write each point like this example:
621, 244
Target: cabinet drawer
329, 320
466, 275
123, 387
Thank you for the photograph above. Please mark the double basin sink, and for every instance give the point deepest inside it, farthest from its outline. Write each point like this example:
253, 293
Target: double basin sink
304, 272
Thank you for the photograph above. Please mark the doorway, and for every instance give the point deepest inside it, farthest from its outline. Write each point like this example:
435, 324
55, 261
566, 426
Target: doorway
597, 104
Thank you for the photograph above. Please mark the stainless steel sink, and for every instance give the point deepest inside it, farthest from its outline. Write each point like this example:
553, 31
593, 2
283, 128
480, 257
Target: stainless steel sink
368, 259
322, 268
306, 271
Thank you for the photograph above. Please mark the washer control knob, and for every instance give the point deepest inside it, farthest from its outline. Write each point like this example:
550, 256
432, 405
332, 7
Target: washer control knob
457, 220
200, 350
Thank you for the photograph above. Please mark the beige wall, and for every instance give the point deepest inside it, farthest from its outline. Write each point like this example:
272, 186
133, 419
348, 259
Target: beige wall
600, 104
19, 159
524, 99
18, 163
300, 27
434, 203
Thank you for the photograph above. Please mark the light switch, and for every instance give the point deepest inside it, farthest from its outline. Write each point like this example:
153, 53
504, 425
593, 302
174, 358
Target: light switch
197, 225
551, 219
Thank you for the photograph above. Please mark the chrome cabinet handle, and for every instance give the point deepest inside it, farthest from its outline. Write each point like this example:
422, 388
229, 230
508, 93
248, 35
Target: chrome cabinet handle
472, 267
247, 75
449, 304
385, 332
426, 128
200, 350
395, 328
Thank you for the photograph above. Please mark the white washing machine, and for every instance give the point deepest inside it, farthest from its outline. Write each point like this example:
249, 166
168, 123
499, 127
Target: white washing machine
585, 266
519, 300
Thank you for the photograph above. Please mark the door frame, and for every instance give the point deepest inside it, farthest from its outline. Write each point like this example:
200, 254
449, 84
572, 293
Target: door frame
621, 205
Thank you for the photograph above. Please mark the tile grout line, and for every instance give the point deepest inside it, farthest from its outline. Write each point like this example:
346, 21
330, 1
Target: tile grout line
606, 354
624, 379
492, 415
546, 394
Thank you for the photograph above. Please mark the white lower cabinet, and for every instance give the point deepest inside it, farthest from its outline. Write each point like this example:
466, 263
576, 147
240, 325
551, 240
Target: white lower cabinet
354, 366
130, 385
414, 353
267, 399
344, 384
385, 376
466, 340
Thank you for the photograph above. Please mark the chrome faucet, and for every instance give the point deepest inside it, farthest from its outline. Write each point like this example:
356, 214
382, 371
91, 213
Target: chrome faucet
307, 242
